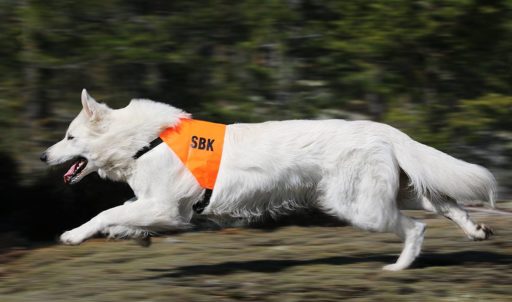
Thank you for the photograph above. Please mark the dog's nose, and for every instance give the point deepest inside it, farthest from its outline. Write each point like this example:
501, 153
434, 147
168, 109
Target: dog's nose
43, 157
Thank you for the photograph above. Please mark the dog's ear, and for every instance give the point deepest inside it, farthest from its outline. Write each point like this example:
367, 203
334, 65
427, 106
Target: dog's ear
93, 109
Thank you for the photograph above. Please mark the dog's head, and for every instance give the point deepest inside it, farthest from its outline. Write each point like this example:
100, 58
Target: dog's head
77, 146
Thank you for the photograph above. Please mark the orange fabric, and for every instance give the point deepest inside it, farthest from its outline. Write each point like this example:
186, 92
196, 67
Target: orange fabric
199, 145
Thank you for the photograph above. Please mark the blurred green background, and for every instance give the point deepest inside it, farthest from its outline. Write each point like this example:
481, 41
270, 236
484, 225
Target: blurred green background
441, 71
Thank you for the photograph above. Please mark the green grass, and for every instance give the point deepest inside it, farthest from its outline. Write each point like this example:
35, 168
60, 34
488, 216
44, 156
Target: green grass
287, 264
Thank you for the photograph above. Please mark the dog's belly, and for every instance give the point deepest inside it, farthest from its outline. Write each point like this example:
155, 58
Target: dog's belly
273, 201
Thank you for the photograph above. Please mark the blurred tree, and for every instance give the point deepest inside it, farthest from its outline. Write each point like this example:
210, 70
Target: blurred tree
483, 121
439, 70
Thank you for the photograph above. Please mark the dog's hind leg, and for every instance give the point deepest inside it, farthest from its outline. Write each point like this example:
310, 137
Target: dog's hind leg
412, 233
451, 210
381, 215
365, 195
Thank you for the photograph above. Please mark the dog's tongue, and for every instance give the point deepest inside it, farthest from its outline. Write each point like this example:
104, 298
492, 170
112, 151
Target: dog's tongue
69, 174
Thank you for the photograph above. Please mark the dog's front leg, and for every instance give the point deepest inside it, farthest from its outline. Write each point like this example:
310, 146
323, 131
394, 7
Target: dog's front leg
143, 215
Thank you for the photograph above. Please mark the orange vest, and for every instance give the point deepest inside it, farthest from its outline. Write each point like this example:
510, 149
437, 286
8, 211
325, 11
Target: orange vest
199, 145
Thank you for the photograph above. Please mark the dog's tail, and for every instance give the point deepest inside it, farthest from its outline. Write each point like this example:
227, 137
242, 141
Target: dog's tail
434, 173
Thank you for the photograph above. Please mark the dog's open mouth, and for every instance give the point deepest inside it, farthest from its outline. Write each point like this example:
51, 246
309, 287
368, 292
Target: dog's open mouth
74, 172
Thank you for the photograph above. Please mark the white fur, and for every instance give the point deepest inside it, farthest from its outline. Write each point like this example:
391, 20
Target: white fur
351, 170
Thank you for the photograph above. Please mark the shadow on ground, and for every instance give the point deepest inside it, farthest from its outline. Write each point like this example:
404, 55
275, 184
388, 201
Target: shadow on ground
271, 266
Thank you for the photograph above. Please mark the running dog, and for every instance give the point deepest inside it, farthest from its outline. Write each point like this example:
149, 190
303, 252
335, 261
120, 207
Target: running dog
361, 172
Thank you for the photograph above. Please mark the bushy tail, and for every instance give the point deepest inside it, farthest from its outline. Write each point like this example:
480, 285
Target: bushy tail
434, 173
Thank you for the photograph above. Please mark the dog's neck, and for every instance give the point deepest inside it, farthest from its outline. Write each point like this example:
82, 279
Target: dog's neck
130, 129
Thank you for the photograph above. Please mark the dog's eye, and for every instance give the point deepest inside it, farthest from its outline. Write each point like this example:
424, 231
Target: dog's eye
70, 137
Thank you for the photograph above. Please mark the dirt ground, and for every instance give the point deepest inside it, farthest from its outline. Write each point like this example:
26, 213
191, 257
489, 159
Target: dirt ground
292, 263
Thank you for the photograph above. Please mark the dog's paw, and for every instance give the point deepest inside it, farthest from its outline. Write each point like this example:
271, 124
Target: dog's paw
72, 237
393, 267
143, 241
482, 232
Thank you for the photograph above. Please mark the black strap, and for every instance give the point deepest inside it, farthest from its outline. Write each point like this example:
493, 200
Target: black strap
199, 206
157, 141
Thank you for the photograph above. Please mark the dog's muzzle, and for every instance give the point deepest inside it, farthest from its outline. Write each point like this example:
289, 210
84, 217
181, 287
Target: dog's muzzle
43, 157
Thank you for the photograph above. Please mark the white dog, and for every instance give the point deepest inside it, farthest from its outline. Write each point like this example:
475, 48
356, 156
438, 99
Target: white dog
359, 171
